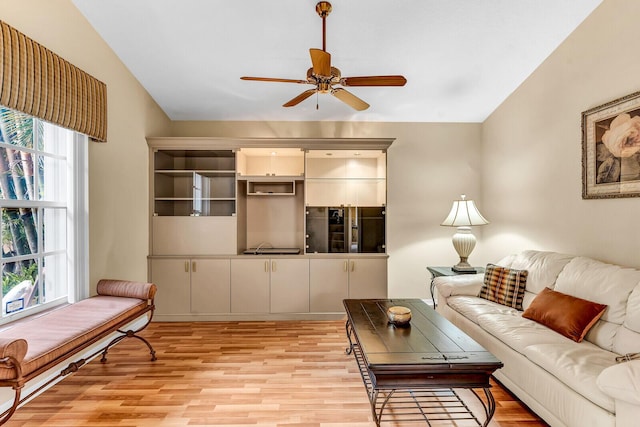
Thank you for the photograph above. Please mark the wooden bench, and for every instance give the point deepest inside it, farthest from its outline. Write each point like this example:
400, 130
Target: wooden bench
35, 345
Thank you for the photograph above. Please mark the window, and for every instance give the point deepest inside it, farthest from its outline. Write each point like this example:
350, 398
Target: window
42, 182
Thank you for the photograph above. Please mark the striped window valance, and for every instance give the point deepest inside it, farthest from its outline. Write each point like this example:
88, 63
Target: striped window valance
38, 82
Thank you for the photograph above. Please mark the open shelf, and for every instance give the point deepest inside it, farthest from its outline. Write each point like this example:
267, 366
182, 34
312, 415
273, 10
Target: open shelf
271, 188
194, 183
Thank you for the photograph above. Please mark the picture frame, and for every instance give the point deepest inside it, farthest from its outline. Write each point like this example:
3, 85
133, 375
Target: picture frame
611, 149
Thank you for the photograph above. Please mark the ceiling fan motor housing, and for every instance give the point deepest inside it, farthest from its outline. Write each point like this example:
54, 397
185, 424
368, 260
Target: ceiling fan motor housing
323, 8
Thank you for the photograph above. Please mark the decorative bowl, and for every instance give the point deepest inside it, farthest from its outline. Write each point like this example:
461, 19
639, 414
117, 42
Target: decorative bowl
399, 315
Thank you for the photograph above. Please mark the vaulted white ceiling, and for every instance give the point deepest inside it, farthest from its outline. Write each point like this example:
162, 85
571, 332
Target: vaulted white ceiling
461, 58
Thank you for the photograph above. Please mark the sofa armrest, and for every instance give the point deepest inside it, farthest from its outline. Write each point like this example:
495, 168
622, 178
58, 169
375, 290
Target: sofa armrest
463, 284
622, 381
125, 288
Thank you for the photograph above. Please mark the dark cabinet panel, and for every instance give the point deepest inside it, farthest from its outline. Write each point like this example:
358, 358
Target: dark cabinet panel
345, 229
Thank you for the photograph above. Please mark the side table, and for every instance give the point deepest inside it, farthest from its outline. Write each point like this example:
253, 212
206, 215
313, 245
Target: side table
446, 271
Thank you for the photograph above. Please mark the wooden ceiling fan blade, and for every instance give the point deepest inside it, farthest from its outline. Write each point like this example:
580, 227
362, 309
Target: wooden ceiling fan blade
374, 81
298, 99
269, 79
349, 99
321, 61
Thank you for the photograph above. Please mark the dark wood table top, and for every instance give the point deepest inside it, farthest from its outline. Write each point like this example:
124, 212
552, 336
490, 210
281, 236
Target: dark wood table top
430, 351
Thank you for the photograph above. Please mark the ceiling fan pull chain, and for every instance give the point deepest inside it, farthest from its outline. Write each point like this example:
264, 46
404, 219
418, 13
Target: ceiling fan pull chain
317, 101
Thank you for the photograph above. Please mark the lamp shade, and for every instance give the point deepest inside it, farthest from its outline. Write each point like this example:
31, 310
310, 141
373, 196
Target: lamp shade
464, 213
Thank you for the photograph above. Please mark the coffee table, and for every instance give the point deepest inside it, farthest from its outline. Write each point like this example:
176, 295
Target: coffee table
412, 373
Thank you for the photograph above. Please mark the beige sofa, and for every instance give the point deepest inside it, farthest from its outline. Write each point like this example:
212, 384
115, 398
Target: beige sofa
565, 382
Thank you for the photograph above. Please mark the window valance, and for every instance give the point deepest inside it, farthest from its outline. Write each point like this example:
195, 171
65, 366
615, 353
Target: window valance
38, 82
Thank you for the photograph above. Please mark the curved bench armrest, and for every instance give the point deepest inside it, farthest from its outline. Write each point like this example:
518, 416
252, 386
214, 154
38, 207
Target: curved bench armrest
622, 382
13, 347
125, 288
463, 284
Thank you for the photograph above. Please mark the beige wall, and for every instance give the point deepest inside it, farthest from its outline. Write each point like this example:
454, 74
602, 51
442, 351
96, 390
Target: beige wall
528, 154
532, 147
118, 170
429, 165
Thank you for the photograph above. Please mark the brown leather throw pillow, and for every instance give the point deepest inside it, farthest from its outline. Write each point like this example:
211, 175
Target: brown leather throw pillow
565, 314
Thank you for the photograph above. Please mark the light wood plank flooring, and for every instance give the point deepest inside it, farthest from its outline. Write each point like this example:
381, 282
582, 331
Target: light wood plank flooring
258, 374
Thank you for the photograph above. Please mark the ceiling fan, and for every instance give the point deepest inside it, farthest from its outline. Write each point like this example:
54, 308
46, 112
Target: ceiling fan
323, 76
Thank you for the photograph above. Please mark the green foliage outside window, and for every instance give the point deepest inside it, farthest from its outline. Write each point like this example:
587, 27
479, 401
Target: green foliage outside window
19, 225
10, 280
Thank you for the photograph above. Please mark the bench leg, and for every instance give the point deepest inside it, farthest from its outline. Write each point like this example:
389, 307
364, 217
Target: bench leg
9, 412
10, 362
130, 334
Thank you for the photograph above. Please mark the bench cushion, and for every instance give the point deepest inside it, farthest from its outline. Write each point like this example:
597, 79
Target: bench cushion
68, 329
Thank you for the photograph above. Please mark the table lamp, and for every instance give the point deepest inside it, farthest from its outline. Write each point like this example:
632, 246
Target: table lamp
463, 215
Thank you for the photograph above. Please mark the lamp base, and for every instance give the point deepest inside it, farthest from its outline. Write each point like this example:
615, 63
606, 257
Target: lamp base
463, 242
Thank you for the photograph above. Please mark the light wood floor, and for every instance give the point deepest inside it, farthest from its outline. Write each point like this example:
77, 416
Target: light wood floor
258, 374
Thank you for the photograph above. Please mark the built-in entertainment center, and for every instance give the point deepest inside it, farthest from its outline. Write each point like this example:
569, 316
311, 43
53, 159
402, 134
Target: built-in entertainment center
260, 228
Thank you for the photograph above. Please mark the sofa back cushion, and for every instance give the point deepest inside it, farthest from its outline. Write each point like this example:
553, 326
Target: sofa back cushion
543, 268
607, 284
627, 340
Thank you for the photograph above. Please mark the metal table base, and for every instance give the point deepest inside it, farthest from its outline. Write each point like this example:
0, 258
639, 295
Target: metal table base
433, 406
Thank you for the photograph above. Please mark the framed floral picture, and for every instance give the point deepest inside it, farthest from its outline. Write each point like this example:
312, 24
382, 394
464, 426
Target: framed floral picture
611, 149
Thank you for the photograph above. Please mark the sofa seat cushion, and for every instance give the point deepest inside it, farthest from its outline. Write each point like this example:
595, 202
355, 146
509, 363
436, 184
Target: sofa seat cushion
52, 335
518, 332
577, 365
471, 307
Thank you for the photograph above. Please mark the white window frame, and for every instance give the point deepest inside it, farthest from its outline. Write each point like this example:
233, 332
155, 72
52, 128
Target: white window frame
77, 228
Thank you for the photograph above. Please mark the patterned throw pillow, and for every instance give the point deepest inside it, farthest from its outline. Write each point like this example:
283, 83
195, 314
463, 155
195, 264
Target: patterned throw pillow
504, 286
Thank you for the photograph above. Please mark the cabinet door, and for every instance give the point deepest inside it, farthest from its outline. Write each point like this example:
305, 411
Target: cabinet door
275, 165
250, 285
186, 235
367, 278
210, 286
172, 277
328, 284
365, 192
289, 285
325, 192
